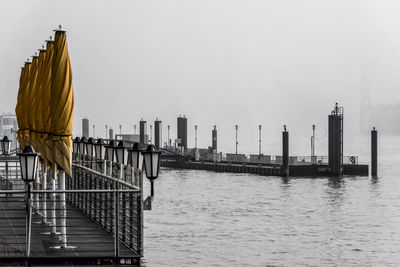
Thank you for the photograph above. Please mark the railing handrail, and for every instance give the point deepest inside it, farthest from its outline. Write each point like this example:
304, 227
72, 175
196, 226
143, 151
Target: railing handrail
106, 176
71, 191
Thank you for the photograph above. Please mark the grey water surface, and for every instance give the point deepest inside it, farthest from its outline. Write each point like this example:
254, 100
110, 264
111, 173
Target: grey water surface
202, 218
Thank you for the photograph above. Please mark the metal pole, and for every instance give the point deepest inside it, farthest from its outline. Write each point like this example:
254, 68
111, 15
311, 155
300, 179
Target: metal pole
106, 130
236, 129
313, 141
195, 136
28, 221
169, 140
44, 195
63, 209
53, 201
141, 234
36, 197
374, 153
259, 139
152, 188
116, 212
7, 170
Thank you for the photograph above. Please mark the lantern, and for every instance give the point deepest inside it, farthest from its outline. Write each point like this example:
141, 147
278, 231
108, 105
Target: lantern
28, 162
89, 147
109, 155
151, 162
82, 145
135, 157
5, 146
121, 153
76, 145
99, 148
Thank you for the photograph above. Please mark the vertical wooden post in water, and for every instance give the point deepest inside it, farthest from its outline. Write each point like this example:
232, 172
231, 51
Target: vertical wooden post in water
374, 152
285, 153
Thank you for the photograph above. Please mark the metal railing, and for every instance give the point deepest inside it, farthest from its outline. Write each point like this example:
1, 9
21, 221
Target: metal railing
118, 207
10, 174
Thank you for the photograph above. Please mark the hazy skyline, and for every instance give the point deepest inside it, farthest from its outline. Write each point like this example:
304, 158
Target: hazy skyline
217, 62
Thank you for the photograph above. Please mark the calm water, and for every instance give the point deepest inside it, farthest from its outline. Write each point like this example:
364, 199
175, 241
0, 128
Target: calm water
202, 218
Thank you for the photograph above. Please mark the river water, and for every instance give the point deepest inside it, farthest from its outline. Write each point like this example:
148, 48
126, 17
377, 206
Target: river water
202, 218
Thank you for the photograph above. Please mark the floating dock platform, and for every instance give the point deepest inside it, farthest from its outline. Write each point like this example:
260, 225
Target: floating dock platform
312, 170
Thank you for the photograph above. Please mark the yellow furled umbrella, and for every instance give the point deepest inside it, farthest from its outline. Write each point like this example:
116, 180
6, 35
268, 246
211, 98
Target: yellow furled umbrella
19, 96
61, 104
22, 117
46, 83
37, 125
29, 97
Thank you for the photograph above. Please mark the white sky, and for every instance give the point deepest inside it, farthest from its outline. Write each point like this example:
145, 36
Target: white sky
218, 62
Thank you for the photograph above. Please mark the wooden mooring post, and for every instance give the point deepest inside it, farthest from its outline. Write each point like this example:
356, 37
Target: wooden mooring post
285, 152
374, 152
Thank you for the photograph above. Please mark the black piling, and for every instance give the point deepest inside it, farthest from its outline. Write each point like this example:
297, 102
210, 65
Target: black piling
285, 153
374, 152
335, 137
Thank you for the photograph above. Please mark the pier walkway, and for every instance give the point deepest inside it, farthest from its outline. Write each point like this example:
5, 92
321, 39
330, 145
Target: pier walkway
102, 222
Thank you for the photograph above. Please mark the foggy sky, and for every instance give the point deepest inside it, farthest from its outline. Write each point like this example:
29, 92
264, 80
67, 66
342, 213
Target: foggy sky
217, 62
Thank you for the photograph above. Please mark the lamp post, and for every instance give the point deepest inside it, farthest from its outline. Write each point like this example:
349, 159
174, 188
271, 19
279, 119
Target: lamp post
236, 129
28, 163
121, 157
